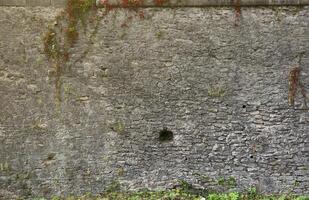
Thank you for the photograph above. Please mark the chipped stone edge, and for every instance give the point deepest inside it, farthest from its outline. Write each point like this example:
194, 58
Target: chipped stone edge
171, 3
208, 3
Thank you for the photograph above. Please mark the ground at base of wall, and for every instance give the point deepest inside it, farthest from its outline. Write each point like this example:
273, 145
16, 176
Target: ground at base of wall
180, 194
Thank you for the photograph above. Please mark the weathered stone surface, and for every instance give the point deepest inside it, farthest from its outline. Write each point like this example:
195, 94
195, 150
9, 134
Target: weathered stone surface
38, 2
201, 3
12, 2
169, 3
222, 89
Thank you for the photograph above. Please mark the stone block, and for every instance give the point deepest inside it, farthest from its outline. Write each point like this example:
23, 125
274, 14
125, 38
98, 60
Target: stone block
12, 2
38, 2
58, 3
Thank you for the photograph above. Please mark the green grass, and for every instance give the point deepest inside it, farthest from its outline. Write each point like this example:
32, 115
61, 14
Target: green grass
179, 194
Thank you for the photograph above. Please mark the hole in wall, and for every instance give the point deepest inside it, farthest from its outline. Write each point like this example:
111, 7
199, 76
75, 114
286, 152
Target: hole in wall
244, 106
51, 156
166, 135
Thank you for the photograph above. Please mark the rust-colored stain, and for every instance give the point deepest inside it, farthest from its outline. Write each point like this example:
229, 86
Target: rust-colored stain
237, 5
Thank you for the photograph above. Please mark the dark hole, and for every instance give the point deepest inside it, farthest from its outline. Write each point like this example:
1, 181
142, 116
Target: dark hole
251, 156
243, 106
103, 68
51, 156
166, 135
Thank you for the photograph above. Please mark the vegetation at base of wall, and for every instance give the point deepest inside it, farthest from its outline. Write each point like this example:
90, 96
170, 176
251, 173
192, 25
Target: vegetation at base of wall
184, 191
178, 194
227, 182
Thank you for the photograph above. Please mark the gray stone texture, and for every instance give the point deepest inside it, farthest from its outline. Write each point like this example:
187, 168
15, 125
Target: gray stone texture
169, 3
201, 3
219, 82
38, 2
12, 2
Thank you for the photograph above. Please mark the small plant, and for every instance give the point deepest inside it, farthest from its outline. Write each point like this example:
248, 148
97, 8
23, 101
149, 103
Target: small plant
118, 127
227, 182
4, 166
231, 182
221, 181
234, 195
188, 188
216, 91
113, 187
51, 47
175, 194
229, 196
38, 125
302, 198
159, 34
22, 175
251, 193
120, 172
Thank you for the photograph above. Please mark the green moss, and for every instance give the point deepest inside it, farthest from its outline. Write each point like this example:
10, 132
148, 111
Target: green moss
231, 181
221, 181
4, 166
205, 178
51, 46
120, 172
114, 193
118, 127
63, 35
216, 91
38, 125
22, 176
114, 186
177, 194
159, 34
68, 90
227, 182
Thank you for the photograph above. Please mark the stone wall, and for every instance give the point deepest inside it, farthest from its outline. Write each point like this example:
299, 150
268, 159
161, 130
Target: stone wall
218, 81
30, 3
176, 3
